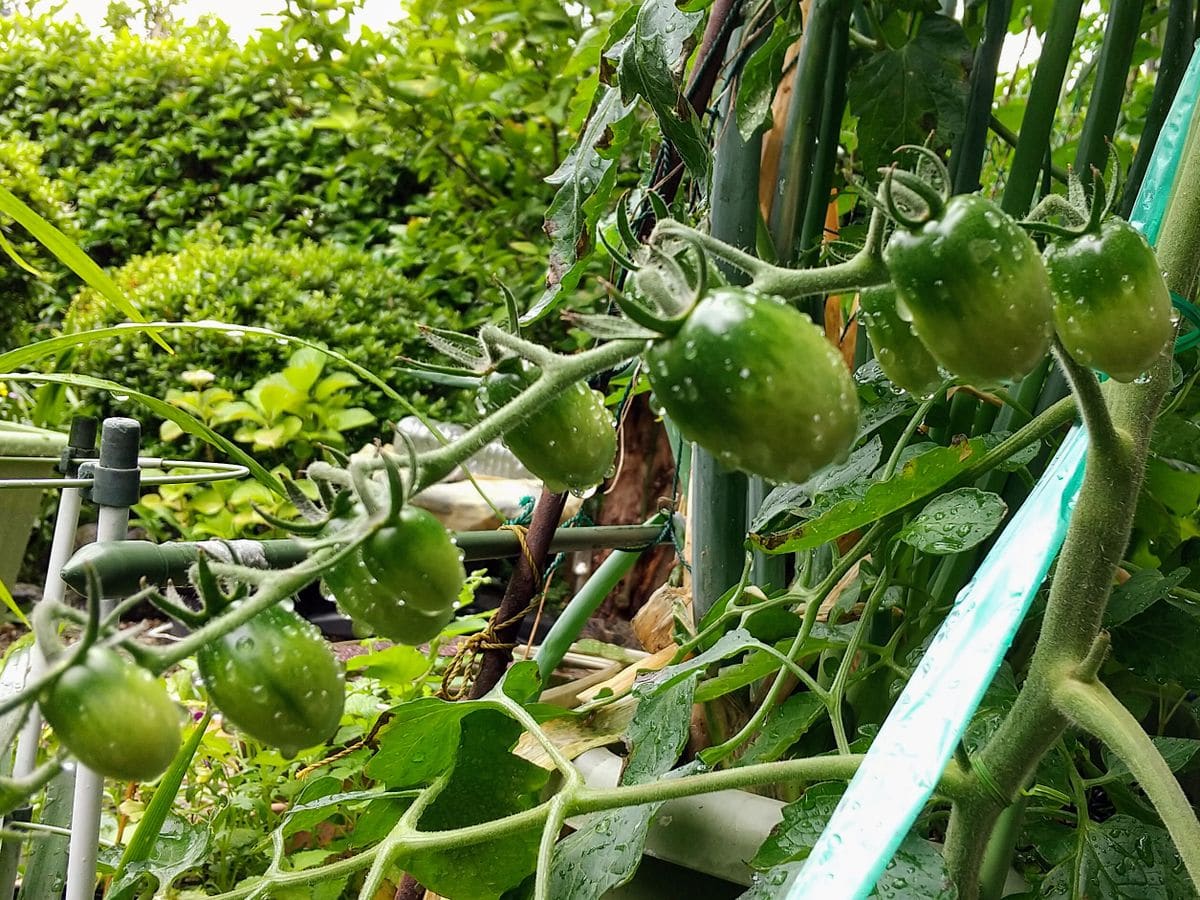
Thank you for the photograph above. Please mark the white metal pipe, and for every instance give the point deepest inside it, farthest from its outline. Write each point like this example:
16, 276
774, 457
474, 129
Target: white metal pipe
112, 524
63, 544
66, 521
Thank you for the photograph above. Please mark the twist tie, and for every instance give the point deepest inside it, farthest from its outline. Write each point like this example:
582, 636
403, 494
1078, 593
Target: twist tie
989, 783
522, 535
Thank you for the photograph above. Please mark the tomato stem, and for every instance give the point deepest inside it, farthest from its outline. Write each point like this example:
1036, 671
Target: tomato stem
864, 269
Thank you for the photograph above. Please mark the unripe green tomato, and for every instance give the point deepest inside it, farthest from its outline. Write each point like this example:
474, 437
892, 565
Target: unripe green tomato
113, 716
902, 356
973, 283
404, 581
1112, 308
569, 443
755, 383
276, 679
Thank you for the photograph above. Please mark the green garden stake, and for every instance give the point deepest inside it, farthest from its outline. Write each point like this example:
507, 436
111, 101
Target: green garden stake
918, 738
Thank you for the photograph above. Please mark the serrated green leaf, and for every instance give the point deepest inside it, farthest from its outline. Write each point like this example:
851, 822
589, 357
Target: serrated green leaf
1143, 589
785, 725
418, 742
1160, 644
901, 95
1121, 859
918, 477
955, 522
179, 846
487, 782
845, 479
649, 59
585, 179
915, 871
802, 823
605, 851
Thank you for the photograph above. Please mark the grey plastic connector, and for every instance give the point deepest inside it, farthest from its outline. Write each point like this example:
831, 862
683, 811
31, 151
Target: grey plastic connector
118, 480
81, 444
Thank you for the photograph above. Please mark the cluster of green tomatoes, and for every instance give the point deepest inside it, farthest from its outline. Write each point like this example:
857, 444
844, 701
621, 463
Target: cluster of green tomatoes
969, 295
275, 677
743, 374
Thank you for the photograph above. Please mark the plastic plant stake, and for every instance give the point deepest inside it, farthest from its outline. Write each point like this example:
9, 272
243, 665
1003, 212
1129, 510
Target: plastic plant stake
82, 442
115, 489
920, 734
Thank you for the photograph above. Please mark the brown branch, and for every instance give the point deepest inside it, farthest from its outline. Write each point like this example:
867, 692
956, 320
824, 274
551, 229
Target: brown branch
668, 168
522, 587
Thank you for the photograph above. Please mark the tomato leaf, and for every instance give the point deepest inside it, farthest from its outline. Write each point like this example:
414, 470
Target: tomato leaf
607, 847
955, 522
917, 869
918, 477
901, 95
649, 59
1143, 589
1121, 857
785, 725
1160, 644
585, 181
487, 782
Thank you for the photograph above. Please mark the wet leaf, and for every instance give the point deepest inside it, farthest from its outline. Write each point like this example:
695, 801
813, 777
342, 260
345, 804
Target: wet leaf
1122, 858
606, 851
902, 95
915, 478
955, 522
487, 783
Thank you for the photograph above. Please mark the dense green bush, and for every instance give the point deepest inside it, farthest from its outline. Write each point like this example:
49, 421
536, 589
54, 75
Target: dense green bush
154, 137
339, 296
428, 143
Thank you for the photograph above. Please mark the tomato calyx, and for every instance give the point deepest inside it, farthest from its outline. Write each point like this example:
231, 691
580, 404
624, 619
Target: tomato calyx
912, 199
1084, 215
666, 291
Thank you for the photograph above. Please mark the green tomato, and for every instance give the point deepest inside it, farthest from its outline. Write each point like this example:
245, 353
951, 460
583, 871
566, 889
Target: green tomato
275, 679
404, 581
902, 356
1112, 308
569, 443
973, 284
755, 383
113, 716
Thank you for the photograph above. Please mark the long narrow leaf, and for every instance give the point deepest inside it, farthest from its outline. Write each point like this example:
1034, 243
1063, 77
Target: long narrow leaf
7, 599
16, 257
188, 423
71, 256
142, 843
31, 353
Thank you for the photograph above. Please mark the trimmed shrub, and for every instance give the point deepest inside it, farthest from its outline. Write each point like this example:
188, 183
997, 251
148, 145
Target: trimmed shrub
337, 296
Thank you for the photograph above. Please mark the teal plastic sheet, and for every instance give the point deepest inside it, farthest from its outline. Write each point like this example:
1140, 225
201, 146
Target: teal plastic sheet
919, 736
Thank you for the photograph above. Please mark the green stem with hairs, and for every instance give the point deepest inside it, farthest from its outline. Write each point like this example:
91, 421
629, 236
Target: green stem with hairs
1120, 418
1092, 706
864, 269
405, 841
1119, 425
